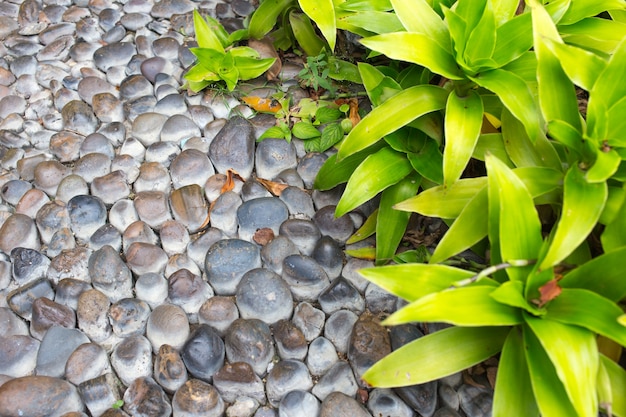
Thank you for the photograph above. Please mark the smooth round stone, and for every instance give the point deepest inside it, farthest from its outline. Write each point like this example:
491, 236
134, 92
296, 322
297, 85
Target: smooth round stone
28, 265
218, 182
286, 376
203, 353
276, 251
341, 294
143, 258
298, 202
369, 343
147, 127
152, 208
138, 232
261, 213
56, 347
31, 202
188, 290
71, 186
153, 176
309, 166
197, 398
170, 103
97, 143
201, 115
250, 340
339, 378
329, 255
227, 261
128, 165
378, 300
219, 313
351, 272
65, 145
190, 207
274, 156
107, 108
68, 290
151, 288
309, 320
201, 242
385, 402
92, 165
136, 86
78, 117
233, 147
304, 276
18, 230
13, 190
20, 300
178, 128
132, 359
92, 315
110, 187
339, 228
135, 21
243, 406
88, 87
83, 51
322, 356
87, 214
47, 313
298, 403
290, 341
339, 327
113, 35
238, 379
155, 65
190, 167
475, 402
174, 237
303, 233
106, 235
446, 412
86, 362
39, 396
113, 54
48, 175
11, 324
448, 396
262, 294
18, 355
162, 153
99, 393
50, 218
133, 148
139, 106
70, 263
109, 274
180, 261
167, 8
145, 398
169, 369
166, 47
338, 404
129, 316
167, 324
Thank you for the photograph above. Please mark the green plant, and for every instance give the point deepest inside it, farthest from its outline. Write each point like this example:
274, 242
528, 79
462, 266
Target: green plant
219, 60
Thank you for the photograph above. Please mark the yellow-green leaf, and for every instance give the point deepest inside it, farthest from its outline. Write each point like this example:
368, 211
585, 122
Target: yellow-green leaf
418, 16
265, 17
204, 35
322, 12
617, 377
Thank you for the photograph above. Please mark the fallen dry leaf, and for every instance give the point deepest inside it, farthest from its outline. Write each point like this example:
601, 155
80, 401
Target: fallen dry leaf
263, 236
231, 174
262, 105
273, 187
549, 291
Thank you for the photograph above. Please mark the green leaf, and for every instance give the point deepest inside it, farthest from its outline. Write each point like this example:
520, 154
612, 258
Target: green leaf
250, 68
379, 86
504, 10
325, 114
548, 389
614, 235
391, 115
414, 363
305, 34
582, 206
491, 143
305, 130
266, 15
576, 368
516, 96
566, 134
416, 48
209, 58
463, 121
513, 393
377, 172
334, 173
331, 135
452, 306
371, 22
469, 228
519, 222
391, 228
428, 161
366, 230
481, 42
617, 378
457, 27
589, 310
413, 281
199, 73
517, 143
364, 5
274, 132
204, 35
418, 16
581, 66
581, 9
511, 293
513, 39
604, 167
341, 70
322, 12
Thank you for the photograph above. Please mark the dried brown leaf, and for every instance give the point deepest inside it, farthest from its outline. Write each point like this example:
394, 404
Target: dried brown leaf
273, 187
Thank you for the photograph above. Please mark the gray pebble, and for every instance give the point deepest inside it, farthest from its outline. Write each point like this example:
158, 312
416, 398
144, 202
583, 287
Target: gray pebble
341, 294
250, 340
39, 395
322, 356
309, 320
99, 393
18, 355
86, 362
143, 258
304, 276
338, 404
195, 398
329, 255
188, 290
145, 398
87, 214
151, 288
132, 359
274, 156
218, 312
303, 233
167, 324
56, 347
385, 402
261, 213
78, 117
152, 208
290, 342
128, 317
286, 376
113, 54
475, 402
71, 186
298, 403
190, 207
238, 379
203, 353
47, 313
339, 378
92, 315
262, 294
338, 328
68, 290
27, 265
227, 261
233, 147
169, 369
20, 300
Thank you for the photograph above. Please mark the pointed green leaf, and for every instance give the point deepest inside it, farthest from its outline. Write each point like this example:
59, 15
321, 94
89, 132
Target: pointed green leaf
364, 5
511, 293
266, 15
481, 42
617, 377
504, 10
413, 281
250, 68
305, 130
463, 121
204, 35
334, 173
393, 114
519, 221
416, 48
513, 394
379, 86
576, 368
418, 16
513, 39
604, 167
616, 123
322, 12
580, 65
428, 161
582, 206
452, 306
566, 134
610, 86
415, 363
614, 235
367, 229
305, 34
589, 310
341, 70
371, 22
457, 27
377, 172
391, 228
469, 228
208, 58
548, 389
491, 143
581, 9
516, 96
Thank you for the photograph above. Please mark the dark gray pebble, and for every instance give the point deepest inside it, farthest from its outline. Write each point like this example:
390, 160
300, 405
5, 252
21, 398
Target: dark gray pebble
250, 340
145, 398
227, 261
262, 294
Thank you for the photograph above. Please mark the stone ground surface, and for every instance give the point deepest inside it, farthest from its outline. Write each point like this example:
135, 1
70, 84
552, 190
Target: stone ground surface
116, 283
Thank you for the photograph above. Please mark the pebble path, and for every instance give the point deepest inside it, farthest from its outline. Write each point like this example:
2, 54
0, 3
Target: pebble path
120, 294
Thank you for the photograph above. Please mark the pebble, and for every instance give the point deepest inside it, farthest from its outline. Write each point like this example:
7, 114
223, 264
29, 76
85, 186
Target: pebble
99, 393
322, 356
20, 300
86, 362
218, 312
56, 347
262, 294
145, 398
338, 404
285, 376
195, 398
305, 277
167, 324
227, 261
188, 290
341, 294
18, 355
92, 317
39, 395
250, 340
290, 342
132, 359
169, 369
47, 313
109, 274
233, 147
339, 378
203, 353
128, 317
239, 379
298, 403
303, 233
309, 320
259, 213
